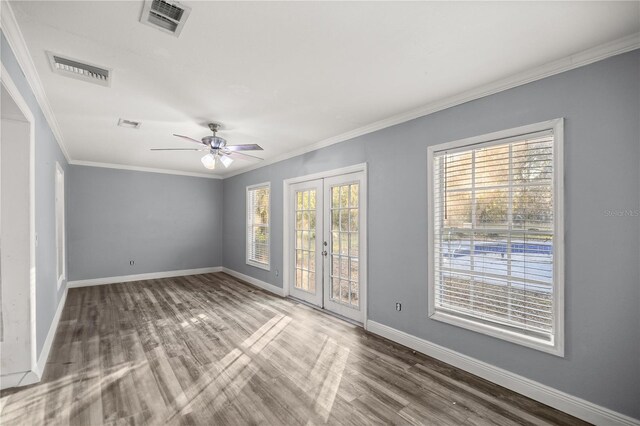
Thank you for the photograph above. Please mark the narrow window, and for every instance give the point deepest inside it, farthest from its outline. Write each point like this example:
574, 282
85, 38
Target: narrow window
258, 221
496, 235
60, 229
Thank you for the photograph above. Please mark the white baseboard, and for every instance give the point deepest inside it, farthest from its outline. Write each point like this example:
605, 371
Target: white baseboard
562, 401
142, 277
256, 282
34, 375
46, 348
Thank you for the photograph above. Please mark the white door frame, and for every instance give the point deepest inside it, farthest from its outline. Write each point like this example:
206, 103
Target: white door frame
35, 374
287, 220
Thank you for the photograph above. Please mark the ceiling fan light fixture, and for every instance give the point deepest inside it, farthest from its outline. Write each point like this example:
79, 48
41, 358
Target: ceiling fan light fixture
209, 161
217, 149
226, 161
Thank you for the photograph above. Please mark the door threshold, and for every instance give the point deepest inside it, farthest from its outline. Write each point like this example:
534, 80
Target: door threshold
327, 312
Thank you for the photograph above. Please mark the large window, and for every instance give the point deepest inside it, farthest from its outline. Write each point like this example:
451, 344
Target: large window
60, 231
495, 213
258, 212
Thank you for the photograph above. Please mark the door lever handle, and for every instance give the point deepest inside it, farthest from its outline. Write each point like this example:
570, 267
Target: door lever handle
324, 253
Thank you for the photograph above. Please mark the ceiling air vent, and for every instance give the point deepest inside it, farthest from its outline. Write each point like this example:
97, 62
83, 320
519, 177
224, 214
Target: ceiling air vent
166, 16
129, 124
79, 70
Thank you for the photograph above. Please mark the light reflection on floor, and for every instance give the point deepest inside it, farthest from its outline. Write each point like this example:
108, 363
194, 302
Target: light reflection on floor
225, 380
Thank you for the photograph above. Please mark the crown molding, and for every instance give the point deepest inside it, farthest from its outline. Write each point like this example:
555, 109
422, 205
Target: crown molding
14, 37
142, 169
586, 57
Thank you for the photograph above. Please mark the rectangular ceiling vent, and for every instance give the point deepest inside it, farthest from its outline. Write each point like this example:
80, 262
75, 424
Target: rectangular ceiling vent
79, 70
129, 124
167, 16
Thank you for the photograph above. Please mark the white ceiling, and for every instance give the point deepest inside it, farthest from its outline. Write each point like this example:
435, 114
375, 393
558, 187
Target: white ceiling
287, 74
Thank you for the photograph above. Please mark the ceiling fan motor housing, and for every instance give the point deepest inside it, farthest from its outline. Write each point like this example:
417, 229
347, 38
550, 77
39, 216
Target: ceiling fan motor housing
215, 142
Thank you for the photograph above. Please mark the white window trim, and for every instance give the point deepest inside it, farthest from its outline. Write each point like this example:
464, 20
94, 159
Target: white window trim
556, 346
250, 262
61, 275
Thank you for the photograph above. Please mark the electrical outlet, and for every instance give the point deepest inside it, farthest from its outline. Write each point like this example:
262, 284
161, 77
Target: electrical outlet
398, 306
277, 272
132, 262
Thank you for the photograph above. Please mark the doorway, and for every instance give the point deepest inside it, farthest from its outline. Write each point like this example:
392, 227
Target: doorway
325, 241
18, 361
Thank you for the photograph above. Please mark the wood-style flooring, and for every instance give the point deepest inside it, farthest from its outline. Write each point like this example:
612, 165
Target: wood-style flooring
211, 350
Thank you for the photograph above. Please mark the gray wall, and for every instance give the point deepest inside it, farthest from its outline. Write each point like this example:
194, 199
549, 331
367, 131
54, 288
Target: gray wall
163, 222
601, 104
47, 153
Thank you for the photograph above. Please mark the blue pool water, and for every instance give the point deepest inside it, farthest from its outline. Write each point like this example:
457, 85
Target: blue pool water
529, 262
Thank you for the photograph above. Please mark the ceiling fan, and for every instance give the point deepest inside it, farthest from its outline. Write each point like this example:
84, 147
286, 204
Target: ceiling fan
218, 150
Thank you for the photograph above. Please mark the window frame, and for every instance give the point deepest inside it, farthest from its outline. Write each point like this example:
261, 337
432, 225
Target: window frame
59, 212
249, 226
556, 345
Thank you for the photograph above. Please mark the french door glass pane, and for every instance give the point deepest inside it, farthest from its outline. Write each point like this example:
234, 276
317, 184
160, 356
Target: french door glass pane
345, 229
305, 243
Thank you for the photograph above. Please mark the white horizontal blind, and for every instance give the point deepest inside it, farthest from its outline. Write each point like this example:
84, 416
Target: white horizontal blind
494, 232
258, 224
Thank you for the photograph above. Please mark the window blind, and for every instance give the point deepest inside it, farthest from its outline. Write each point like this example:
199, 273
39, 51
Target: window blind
258, 224
494, 232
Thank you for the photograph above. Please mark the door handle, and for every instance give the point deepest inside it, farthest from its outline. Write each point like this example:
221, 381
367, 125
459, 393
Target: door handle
324, 253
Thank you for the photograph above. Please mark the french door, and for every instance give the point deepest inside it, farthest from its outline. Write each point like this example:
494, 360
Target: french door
307, 254
326, 236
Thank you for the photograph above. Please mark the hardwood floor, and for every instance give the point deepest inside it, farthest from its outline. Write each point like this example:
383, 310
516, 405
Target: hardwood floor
208, 349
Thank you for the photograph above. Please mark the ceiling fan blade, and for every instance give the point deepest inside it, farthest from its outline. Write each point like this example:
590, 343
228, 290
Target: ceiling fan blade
248, 147
179, 149
234, 153
189, 139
